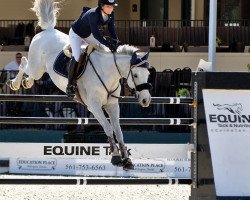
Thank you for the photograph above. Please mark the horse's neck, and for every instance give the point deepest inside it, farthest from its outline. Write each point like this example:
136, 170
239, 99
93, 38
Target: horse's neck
117, 65
123, 65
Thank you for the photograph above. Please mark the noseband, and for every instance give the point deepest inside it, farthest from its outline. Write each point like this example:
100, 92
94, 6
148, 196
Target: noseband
143, 86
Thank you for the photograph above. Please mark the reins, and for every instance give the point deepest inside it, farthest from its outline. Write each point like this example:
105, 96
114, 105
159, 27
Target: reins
110, 93
137, 87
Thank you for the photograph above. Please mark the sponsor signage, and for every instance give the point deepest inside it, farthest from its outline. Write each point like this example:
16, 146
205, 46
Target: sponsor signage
89, 159
101, 167
228, 126
92, 150
35, 164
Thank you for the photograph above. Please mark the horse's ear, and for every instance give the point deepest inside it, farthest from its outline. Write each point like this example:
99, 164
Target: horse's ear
134, 58
145, 57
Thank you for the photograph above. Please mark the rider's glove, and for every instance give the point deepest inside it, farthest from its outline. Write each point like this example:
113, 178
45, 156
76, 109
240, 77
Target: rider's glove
113, 47
118, 43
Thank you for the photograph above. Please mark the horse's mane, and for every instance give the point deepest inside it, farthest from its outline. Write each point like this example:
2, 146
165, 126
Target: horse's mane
122, 49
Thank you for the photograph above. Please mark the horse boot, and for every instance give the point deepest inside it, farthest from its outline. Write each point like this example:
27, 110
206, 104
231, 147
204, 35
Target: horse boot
126, 161
116, 157
70, 90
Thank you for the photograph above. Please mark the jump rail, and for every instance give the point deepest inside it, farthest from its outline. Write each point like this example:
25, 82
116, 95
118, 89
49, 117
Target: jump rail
93, 121
64, 98
83, 181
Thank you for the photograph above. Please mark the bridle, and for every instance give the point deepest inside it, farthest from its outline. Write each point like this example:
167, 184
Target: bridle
143, 86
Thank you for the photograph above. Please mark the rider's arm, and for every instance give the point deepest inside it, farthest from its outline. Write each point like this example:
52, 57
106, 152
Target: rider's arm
93, 19
111, 27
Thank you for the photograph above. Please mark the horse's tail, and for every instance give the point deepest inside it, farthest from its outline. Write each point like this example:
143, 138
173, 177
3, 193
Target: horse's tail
46, 12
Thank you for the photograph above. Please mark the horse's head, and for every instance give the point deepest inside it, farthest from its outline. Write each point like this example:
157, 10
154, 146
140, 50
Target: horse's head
138, 78
137, 74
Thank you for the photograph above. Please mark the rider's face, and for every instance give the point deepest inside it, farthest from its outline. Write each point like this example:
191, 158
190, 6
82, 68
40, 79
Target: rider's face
108, 9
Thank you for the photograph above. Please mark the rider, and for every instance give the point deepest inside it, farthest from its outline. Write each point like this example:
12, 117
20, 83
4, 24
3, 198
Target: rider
85, 30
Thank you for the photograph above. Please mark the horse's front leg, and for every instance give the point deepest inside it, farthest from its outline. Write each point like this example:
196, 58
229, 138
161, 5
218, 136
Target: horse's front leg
113, 111
116, 157
97, 111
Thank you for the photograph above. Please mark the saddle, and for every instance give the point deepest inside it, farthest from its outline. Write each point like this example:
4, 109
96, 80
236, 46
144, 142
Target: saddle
88, 49
83, 61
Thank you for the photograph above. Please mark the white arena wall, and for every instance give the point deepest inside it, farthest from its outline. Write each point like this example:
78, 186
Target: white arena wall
225, 62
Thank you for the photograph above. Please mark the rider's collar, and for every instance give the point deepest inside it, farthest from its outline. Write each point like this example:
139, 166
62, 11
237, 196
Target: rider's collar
105, 16
102, 19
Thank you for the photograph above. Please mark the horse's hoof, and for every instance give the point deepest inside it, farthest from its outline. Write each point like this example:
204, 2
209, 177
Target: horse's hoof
127, 164
116, 160
25, 84
10, 83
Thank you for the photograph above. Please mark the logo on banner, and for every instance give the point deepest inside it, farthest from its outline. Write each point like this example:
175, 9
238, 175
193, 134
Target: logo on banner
87, 150
153, 166
230, 118
36, 164
235, 108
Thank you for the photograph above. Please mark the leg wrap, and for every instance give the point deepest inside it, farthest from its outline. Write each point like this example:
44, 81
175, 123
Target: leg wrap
123, 150
116, 157
113, 147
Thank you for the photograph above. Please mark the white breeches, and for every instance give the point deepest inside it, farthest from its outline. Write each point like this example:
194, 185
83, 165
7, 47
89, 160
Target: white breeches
76, 42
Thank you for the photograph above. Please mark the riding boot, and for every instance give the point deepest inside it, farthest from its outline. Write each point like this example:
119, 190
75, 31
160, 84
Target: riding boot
70, 90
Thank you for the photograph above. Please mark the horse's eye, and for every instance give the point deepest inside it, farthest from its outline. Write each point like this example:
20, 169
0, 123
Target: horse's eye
135, 76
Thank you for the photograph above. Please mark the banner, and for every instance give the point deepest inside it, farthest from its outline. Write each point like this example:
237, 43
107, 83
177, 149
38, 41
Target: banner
89, 159
228, 126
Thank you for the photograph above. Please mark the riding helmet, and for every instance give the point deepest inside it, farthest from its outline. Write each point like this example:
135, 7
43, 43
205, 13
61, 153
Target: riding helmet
107, 2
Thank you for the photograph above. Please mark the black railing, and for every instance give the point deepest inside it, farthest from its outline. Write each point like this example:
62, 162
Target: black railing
138, 32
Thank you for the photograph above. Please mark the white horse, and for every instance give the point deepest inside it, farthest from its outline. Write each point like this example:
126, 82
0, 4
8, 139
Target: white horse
43, 51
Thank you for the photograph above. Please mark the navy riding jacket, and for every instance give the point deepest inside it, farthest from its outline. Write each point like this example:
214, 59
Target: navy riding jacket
91, 22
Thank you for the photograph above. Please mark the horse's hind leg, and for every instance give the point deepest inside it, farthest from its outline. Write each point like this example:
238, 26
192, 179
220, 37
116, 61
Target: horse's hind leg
113, 111
27, 82
34, 69
97, 111
15, 83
